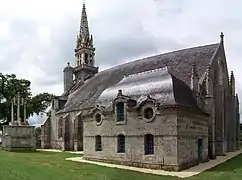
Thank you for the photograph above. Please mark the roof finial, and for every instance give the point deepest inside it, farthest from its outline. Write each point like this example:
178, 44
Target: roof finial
68, 63
120, 92
194, 68
222, 36
232, 76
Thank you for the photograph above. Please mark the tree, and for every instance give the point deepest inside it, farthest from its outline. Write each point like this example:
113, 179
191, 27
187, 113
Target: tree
10, 85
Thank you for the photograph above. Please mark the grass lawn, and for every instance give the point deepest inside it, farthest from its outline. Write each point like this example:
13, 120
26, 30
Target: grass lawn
53, 166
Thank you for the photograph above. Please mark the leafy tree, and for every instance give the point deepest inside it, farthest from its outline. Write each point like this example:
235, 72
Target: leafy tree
10, 85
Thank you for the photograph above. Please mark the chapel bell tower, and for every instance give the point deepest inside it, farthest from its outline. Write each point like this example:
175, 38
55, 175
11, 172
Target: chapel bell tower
85, 51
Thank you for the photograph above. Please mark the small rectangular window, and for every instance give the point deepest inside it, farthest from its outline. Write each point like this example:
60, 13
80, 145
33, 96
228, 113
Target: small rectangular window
121, 143
98, 145
149, 144
120, 111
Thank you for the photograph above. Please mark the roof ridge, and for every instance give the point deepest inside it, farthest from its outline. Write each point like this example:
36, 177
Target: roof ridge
146, 72
170, 52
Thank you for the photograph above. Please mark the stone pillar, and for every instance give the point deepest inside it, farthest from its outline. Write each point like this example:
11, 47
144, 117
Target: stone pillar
231, 111
210, 108
211, 126
24, 104
25, 113
234, 124
228, 122
72, 135
219, 120
75, 127
226, 119
237, 123
83, 58
12, 111
18, 108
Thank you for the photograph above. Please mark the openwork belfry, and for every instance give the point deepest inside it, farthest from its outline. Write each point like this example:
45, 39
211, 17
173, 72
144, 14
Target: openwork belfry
18, 135
170, 111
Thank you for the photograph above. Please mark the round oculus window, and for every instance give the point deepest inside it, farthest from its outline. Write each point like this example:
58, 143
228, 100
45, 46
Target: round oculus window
98, 118
148, 113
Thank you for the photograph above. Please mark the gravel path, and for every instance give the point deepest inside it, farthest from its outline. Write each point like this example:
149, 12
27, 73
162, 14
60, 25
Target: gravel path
56, 150
183, 174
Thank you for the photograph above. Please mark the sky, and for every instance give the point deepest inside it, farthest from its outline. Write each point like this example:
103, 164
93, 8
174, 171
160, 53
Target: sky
37, 38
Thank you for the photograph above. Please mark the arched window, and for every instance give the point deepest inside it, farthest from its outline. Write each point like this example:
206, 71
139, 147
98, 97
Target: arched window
98, 144
120, 111
149, 144
121, 143
60, 128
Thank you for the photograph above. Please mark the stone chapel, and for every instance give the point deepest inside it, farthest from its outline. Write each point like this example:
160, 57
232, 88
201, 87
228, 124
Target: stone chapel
169, 111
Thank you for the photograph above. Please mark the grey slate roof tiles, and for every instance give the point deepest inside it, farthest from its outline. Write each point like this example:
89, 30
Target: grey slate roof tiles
159, 84
179, 64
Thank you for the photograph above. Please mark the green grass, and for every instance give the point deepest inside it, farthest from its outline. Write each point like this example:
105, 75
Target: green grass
53, 166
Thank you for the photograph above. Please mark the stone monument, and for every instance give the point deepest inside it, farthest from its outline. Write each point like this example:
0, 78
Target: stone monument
18, 135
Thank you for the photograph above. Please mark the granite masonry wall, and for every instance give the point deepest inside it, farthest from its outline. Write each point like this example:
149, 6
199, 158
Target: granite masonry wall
191, 128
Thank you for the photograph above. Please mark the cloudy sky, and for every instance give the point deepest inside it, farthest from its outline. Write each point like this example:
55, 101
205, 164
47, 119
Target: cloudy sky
37, 38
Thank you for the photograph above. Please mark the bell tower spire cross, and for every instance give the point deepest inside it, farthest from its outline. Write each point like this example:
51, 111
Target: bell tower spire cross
85, 51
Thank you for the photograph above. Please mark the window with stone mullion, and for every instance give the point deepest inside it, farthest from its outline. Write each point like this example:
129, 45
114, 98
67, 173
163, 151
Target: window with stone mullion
149, 144
121, 143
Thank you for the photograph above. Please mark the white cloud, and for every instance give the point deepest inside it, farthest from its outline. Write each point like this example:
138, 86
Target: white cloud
36, 120
37, 38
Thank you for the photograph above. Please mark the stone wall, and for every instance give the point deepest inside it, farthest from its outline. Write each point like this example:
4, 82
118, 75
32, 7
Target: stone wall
175, 139
191, 127
46, 134
68, 127
231, 126
49, 132
19, 138
163, 128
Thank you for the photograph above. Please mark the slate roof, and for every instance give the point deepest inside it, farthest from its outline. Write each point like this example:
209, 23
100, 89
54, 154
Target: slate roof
159, 84
179, 64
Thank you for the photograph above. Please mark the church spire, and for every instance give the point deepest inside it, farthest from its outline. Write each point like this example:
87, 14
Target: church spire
84, 29
85, 50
